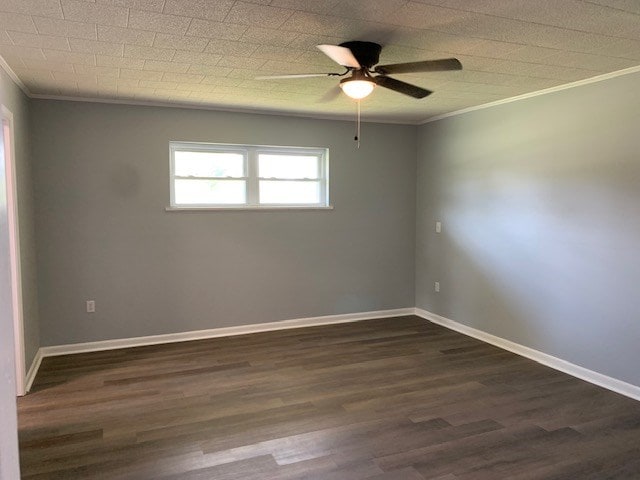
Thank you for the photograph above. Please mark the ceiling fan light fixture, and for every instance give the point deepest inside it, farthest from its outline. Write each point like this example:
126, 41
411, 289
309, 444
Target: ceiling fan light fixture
357, 88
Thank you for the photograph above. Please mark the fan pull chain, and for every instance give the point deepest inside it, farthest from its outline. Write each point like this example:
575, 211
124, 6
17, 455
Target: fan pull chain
357, 137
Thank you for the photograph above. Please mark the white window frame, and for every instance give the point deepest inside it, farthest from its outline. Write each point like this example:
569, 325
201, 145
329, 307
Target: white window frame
251, 153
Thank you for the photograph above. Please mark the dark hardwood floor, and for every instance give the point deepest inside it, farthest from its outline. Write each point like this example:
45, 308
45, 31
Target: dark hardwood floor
392, 399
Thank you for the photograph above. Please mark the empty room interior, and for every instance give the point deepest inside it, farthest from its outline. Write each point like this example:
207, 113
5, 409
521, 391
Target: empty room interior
331, 239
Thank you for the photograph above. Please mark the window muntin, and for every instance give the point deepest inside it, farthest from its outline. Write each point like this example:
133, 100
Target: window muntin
245, 176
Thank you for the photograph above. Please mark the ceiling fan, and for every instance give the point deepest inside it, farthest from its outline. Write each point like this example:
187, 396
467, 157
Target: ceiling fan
361, 61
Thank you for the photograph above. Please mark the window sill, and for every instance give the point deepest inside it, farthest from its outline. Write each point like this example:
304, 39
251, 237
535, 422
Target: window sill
245, 207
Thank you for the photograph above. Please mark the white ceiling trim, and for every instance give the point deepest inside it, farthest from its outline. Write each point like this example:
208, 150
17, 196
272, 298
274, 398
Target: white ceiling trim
5, 66
217, 108
579, 83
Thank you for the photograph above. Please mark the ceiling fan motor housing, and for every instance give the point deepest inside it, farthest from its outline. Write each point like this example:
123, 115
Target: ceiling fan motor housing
367, 53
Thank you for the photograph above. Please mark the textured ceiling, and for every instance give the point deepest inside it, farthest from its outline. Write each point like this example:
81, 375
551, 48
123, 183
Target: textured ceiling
207, 52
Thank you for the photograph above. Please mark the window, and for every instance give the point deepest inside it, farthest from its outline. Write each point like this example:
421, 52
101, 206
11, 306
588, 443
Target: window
207, 175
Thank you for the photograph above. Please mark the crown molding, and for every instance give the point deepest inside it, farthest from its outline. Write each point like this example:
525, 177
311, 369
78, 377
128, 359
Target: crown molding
557, 88
5, 66
218, 108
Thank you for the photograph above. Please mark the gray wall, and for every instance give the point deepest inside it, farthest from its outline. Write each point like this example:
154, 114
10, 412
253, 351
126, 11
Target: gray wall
540, 204
9, 469
102, 183
15, 100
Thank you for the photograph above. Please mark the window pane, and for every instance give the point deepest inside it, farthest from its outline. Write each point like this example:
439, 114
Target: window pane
287, 166
191, 192
209, 164
289, 192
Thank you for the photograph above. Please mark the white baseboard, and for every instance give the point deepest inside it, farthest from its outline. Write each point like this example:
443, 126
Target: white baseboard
33, 370
582, 373
220, 332
590, 376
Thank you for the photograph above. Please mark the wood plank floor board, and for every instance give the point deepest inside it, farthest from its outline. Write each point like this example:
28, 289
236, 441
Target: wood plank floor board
387, 399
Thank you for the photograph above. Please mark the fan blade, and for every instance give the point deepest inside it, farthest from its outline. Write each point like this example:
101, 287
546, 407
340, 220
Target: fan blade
297, 75
341, 55
330, 95
402, 87
425, 66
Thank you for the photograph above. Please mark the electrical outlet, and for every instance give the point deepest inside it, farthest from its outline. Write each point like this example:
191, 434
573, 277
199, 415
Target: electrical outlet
437, 286
91, 306
438, 227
